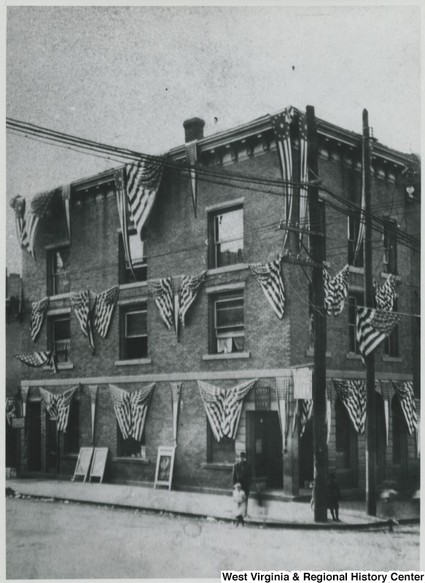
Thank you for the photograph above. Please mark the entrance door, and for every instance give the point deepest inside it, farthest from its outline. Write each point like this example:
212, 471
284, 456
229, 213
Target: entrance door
52, 446
381, 439
265, 447
306, 456
33, 422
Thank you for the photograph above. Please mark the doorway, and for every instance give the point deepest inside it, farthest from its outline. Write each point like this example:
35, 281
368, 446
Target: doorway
51, 446
381, 439
306, 455
265, 451
34, 435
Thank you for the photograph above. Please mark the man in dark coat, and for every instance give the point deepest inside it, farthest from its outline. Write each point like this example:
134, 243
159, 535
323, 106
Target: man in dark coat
242, 474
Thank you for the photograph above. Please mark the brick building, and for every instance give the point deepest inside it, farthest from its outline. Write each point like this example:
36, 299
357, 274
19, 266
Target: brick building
231, 333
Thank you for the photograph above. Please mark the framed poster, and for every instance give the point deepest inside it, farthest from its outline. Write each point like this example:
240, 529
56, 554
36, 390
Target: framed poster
83, 463
164, 466
98, 464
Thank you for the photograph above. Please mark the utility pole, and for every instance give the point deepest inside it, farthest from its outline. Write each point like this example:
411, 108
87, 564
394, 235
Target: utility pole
368, 297
317, 251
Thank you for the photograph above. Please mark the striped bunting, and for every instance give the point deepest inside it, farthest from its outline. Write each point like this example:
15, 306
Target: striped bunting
175, 405
10, 410
224, 406
281, 125
305, 413
336, 290
122, 215
188, 292
406, 396
418, 427
39, 358
38, 313
66, 197
105, 305
142, 183
162, 293
353, 395
304, 218
131, 409
83, 304
58, 406
283, 386
372, 327
329, 401
270, 278
385, 294
191, 156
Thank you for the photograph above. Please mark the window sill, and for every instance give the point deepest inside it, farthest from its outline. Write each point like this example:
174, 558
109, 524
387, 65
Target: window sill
133, 362
356, 269
131, 460
216, 466
228, 268
386, 358
353, 356
228, 356
59, 296
135, 284
310, 352
385, 274
61, 366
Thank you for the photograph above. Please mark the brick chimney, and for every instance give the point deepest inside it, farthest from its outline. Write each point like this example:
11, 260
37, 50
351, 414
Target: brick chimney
193, 129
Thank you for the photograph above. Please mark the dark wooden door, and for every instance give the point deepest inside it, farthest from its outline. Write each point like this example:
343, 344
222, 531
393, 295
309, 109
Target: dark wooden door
265, 447
33, 423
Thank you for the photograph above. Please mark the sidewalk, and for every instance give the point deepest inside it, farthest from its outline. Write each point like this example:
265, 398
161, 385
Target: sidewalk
274, 513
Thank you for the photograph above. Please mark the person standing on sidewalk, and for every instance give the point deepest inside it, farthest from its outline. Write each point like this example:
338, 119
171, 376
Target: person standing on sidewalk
239, 500
242, 474
334, 496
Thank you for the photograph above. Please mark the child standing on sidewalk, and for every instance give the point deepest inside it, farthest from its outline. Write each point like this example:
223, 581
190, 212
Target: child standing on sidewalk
239, 501
334, 496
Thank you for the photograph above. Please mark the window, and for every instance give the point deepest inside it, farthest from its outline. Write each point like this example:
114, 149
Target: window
391, 345
399, 433
353, 232
354, 300
390, 246
58, 281
222, 451
60, 337
226, 237
137, 250
134, 332
228, 325
72, 435
129, 447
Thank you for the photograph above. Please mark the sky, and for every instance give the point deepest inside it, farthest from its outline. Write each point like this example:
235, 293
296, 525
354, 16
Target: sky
129, 77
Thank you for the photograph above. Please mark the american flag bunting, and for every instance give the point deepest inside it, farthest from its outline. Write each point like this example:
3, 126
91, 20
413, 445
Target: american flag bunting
283, 385
175, 405
406, 396
336, 290
385, 294
83, 304
10, 410
162, 293
38, 313
353, 396
37, 359
58, 406
224, 406
305, 413
304, 218
372, 327
270, 278
189, 289
105, 305
131, 409
121, 401
122, 215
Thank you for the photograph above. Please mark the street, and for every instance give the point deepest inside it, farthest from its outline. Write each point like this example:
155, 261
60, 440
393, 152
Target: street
58, 540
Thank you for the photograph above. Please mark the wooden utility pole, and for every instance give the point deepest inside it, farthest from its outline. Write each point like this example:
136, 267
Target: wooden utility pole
368, 297
317, 251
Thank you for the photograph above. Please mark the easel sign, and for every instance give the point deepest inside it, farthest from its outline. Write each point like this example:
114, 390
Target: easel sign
164, 466
83, 463
98, 464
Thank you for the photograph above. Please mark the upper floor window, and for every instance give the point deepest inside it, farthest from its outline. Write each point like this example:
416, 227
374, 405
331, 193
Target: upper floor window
390, 246
228, 324
356, 260
355, 299
58, 280
226, 237
60, 335
134, 332
137, 250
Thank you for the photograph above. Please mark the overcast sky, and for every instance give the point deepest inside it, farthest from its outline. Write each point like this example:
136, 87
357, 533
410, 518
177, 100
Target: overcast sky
130, 76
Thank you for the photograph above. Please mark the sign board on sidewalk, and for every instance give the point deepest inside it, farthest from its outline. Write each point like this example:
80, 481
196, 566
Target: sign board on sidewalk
83, 463
99, 462
164, 466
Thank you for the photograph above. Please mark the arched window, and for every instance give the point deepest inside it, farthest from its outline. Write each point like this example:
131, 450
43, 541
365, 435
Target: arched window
399, 433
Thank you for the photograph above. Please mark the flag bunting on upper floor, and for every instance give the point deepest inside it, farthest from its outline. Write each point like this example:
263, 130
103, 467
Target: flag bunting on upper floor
192, 158
305, 413
281, 125
269, 276
283, 385
175, 406
224, 406
353, 396
131, 409
38, 313
66, 197
104, 309
83, 304
372, 327
335, 290
162, 293
58, 406
385, 294
39, 358
188, 292
304, 215
406, 396
10, 410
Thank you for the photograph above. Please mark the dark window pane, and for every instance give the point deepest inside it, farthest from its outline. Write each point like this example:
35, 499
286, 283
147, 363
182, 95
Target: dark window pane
136, 324
136, 347
229, 313
222, 451
128, 447
227, 233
